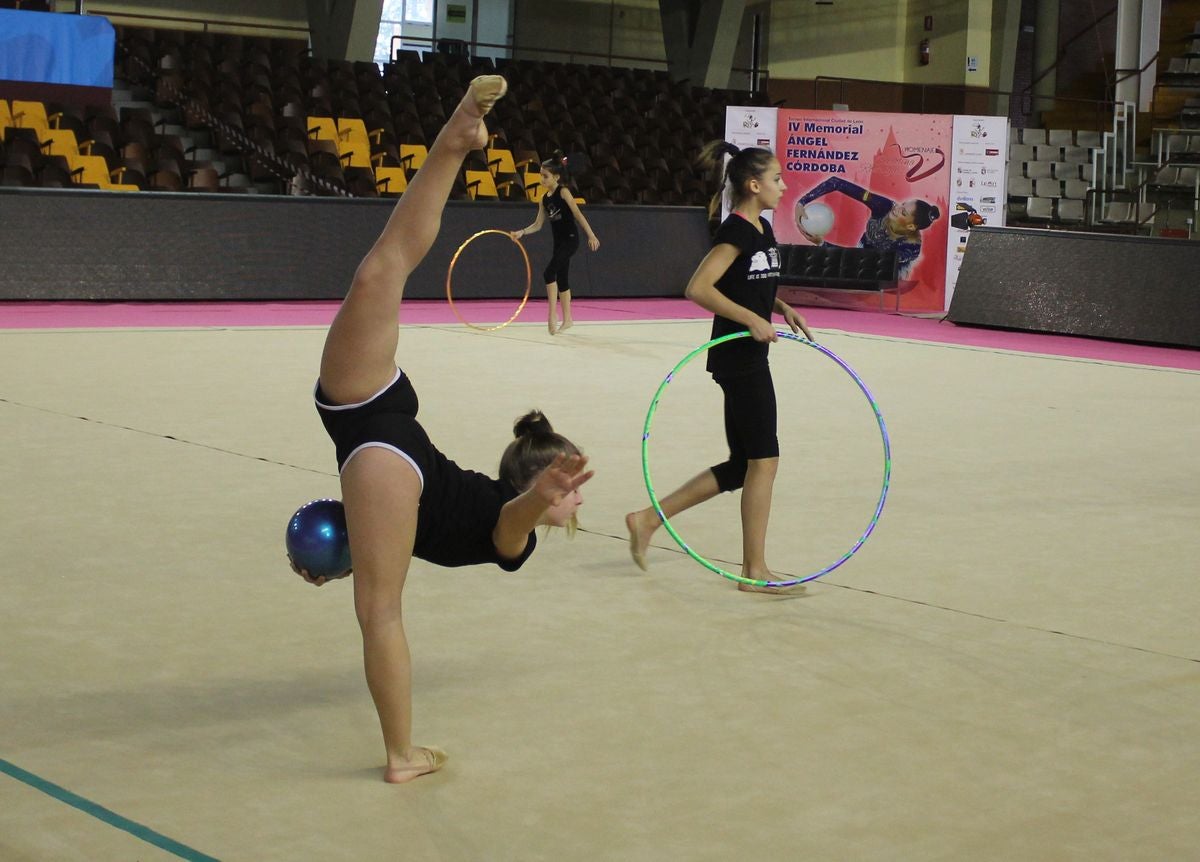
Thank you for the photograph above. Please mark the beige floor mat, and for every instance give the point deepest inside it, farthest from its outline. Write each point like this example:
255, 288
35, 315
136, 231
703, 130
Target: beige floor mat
1008, 669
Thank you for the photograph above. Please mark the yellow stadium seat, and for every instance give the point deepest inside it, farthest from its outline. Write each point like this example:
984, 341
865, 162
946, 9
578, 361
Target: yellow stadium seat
60, 142
322, 128
93, 170
31, 115
533, 186
6, 117
481, 184
354, 143
501, 162
391, 181
412, 156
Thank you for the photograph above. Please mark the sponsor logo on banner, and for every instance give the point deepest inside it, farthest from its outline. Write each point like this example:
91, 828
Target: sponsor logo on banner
977, 141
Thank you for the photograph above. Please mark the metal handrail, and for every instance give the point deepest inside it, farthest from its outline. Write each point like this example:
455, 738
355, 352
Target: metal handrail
1104, 104
225, 26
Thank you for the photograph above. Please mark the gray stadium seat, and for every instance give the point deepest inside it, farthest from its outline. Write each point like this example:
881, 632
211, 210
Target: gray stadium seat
1039, 209
1019, 186
1020, 153
1075, 189
1070, 211
1047, 188
1038, 170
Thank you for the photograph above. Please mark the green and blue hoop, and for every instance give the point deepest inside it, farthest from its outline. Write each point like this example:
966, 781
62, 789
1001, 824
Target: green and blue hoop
887, 463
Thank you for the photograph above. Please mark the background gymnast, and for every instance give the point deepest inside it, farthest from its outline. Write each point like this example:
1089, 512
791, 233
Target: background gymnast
403, 498
737, 282
559, 207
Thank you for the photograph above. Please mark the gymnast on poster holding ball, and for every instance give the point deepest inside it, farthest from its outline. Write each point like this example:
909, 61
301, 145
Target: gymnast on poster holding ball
893, 226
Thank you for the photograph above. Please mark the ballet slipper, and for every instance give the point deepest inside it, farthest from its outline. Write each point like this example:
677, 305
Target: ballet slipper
430, 760
482, 95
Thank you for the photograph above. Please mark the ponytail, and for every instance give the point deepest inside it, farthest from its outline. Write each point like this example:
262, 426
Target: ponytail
744, 165
565, 167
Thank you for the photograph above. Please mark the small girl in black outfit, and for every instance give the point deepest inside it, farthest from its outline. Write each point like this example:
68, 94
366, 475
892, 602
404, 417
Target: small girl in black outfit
737, 282
559, 208
403, 497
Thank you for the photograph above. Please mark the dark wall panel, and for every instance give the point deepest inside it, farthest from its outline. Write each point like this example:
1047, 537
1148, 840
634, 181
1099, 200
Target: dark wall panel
1128, 288
91, 245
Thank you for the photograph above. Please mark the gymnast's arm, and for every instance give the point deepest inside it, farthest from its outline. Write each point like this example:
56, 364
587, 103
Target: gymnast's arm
533, 228
702, 290
878, 204
520, 515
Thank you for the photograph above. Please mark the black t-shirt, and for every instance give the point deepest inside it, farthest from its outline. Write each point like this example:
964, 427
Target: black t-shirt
562, 220
751, 282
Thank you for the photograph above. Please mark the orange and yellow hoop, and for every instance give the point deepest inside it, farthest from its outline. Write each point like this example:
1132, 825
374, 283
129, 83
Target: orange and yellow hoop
450, 277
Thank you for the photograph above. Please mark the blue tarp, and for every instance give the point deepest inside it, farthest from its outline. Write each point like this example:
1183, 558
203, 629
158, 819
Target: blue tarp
45, 47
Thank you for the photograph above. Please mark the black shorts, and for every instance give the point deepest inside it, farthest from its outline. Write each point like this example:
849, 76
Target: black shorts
388, 419
751, 415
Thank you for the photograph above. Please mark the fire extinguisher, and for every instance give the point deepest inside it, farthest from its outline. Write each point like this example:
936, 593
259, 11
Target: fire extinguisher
923, 52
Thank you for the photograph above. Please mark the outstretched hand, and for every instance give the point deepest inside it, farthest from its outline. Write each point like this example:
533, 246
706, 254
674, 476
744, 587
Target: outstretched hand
563, 476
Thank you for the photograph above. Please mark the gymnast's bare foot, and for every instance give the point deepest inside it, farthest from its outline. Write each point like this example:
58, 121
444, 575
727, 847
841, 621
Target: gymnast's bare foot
566, 324
420, 761
765, 575
466, 125
640, 529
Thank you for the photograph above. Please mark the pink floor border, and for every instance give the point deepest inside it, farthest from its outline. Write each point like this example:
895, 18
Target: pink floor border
142, 315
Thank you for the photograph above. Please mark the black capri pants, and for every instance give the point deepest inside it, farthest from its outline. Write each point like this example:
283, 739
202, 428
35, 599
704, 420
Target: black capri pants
557, 271
751, 420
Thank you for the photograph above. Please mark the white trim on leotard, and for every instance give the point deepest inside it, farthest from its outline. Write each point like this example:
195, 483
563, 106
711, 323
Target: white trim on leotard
371, 444
385, 388
390, 448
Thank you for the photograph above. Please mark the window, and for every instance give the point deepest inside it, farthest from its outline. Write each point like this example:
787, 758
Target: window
397, 13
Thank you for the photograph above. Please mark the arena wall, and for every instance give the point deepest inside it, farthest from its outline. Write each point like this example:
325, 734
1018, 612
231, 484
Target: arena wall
94, 245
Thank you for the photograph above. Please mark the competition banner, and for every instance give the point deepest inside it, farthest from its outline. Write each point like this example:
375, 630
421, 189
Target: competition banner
870, 180
978, 185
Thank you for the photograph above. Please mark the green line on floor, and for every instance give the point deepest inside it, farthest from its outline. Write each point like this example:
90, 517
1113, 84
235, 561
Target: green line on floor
101, 813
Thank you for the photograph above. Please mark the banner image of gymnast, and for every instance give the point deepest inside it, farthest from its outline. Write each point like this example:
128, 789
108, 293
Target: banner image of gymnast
870, 180
978, 184
750, 127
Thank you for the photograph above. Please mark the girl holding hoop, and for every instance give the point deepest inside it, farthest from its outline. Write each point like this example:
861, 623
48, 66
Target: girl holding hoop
559, 208
403, 498
737, 282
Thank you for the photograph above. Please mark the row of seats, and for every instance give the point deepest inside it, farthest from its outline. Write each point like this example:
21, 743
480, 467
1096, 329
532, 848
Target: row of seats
37, 151
1059, 211
606, 113
1048, 188
1052, 170
1049, 153
1056, 137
